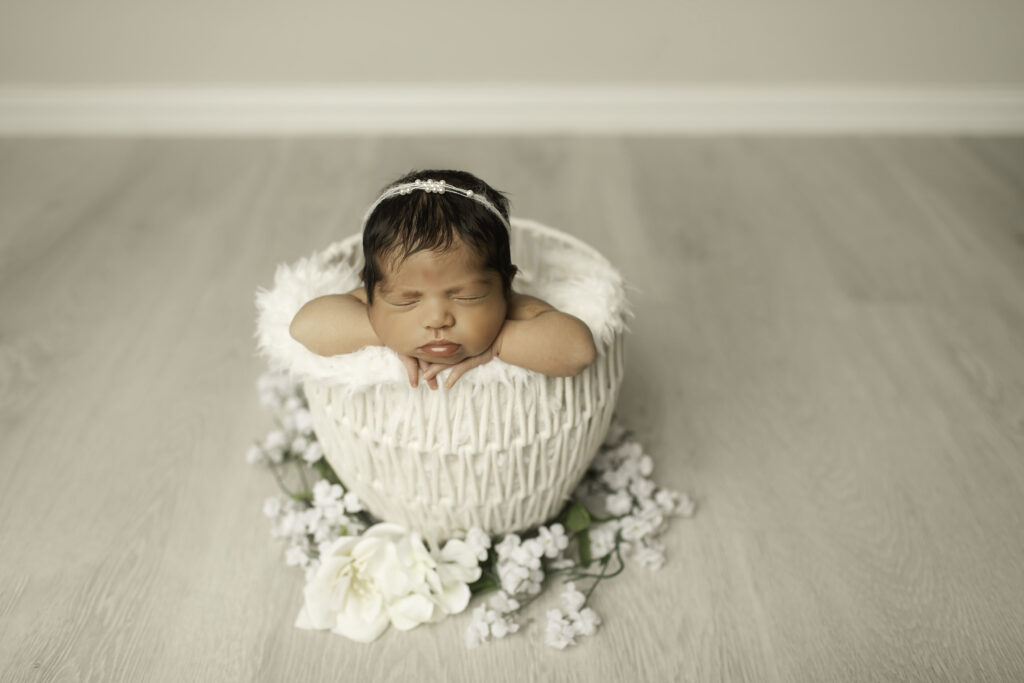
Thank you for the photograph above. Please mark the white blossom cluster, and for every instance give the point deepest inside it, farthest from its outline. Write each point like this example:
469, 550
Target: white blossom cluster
561, 626
520, 569
307, 529
294, 436
619, 480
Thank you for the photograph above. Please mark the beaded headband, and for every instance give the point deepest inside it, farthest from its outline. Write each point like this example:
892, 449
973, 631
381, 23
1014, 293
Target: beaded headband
436, 186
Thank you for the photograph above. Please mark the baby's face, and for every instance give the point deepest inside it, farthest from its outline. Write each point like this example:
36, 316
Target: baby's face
442, 307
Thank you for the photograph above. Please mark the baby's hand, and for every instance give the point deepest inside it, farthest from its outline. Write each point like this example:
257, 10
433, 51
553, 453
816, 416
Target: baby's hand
412, 369
460, 368
414, 366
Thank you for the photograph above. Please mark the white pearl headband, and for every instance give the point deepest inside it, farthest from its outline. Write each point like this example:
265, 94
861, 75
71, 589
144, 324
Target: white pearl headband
437, 186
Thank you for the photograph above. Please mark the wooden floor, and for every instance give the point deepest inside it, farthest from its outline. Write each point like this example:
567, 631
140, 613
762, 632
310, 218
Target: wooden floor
828, 354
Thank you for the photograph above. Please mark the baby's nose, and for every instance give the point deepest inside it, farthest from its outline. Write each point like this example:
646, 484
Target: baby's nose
439, 317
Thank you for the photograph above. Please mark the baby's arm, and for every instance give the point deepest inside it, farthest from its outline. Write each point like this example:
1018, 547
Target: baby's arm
539, 337
334, 324
337, 323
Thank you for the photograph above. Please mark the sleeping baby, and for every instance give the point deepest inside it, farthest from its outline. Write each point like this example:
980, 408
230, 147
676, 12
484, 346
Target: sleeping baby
437, 289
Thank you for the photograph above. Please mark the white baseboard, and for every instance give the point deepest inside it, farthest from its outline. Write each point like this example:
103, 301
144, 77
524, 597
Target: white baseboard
509, 109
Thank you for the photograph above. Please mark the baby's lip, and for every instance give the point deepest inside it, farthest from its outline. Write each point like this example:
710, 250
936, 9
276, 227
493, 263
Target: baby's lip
441, 347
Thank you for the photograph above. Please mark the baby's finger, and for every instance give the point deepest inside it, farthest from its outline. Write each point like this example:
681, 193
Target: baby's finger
412, 370
457, 372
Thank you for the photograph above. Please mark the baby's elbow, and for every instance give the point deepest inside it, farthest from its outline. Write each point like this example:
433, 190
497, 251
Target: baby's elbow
298, 330
584, 356
303, 330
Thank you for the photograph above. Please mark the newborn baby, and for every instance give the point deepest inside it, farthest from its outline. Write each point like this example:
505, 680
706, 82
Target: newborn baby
437, 288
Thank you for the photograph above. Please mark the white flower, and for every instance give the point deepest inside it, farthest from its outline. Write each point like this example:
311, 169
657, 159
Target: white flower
553, 540
528, 554
291, 523
536, 579
276, 439
641, 488
585, 622
651, 556
292, 403
479, 541
299, 444
617, 479
479, 628
602, 540
272, 506
274, 445
457, 567
352, 503
295, 556
646, 465
651, 515
503, 625
686, 506
314, 451
619, 503
512, 575
507, 545
572, 599
633, 528
386, 576
666, 500
558, 631
333, 512
631, 450
324, 492
255, 455
303, 421
274, 388
501, 602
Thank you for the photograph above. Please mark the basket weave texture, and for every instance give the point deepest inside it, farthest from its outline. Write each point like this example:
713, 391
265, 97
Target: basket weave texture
504, 455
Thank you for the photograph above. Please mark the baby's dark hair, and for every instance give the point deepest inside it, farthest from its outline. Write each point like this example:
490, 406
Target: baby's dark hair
403, 225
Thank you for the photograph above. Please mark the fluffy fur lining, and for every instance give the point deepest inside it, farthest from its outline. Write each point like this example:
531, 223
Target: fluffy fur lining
554, 266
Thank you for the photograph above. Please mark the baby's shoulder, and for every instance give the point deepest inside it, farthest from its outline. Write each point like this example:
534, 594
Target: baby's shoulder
526, 307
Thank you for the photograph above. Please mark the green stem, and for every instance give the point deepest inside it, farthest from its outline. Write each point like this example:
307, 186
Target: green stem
604, 568
327, 472
302, 475
280, 483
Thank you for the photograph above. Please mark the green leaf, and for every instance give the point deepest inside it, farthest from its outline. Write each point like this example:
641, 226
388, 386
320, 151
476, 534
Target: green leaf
484, 583
326, 471
577, 518
583, 545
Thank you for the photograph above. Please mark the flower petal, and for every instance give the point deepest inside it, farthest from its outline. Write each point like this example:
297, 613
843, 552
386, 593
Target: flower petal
410, 611
303, 621
353, 624
454, 598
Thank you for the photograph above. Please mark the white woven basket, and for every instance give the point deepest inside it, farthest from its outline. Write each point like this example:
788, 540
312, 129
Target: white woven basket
502, 450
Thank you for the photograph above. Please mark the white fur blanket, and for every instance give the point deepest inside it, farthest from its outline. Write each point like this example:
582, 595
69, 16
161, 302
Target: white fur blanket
554, 266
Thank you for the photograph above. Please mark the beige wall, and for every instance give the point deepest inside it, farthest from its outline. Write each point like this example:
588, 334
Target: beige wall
653, 41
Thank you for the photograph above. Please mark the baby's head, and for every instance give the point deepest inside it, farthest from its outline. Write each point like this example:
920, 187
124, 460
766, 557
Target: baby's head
438, 270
